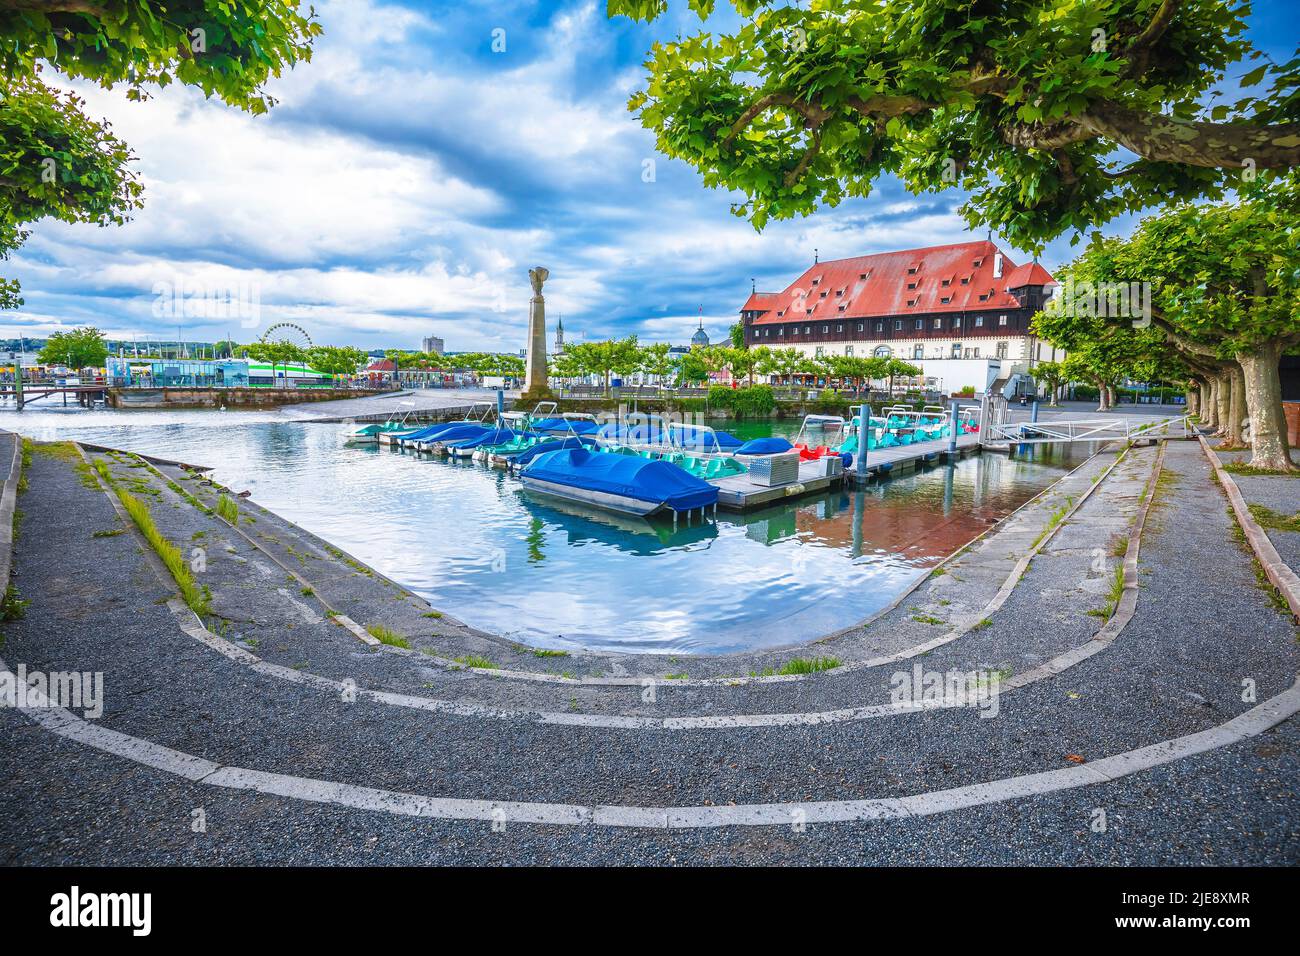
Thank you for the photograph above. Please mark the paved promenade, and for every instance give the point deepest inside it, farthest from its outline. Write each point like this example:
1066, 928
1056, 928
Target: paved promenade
1117, 716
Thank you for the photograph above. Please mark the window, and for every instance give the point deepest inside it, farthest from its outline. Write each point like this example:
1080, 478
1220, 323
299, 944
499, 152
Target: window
1002, 320
781, 330
911, 285
979, 321
839, 328
843, 307
965, 280
860, 327
911, 271
807, 311
880, 327
938, 322
862, 275
825, 329
956, 350
883, 351
807, 330
820, 352
781, 313
838, 293
848, 350
917, 352
946, 283
977, 353
956, 322
817, 280
984, 297
946, 299
796, 330
1002, 350
920, 323
898, 325
978, 263
911, 302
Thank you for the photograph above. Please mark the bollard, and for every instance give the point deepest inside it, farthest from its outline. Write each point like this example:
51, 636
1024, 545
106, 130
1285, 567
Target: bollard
952, 430
501, 404
864, 432
1033, 412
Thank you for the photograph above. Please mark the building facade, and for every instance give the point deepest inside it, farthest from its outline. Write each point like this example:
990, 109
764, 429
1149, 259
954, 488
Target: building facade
966, 301
432, 343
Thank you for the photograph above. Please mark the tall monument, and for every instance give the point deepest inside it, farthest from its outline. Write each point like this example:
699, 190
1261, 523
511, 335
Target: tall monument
535, 385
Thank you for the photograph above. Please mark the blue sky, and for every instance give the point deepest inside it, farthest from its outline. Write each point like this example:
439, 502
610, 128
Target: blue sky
411, 175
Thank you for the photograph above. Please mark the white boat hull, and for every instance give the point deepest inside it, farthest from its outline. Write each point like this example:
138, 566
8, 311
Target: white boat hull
599, 499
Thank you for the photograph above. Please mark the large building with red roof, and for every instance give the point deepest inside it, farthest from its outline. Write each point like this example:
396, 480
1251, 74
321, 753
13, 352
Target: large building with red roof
962, 301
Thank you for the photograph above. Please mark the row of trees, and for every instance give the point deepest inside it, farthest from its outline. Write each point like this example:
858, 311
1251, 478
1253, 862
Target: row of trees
1223, 282
625, 357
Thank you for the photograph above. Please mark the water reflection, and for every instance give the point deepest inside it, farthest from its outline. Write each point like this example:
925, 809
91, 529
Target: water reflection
551, 573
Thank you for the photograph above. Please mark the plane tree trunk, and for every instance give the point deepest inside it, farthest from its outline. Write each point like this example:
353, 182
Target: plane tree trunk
1262, 392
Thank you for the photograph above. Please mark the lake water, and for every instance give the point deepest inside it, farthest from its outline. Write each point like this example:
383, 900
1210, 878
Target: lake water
477, 546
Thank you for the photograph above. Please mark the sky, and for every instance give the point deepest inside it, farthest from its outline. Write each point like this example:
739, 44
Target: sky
418, 166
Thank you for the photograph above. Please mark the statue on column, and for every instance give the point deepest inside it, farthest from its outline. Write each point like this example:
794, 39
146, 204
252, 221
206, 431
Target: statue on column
535, 383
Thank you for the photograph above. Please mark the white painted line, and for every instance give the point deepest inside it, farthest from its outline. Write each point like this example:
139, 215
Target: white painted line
1106, 770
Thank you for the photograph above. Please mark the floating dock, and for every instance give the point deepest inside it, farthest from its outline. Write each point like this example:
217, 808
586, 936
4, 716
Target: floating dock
740, 493
904, 458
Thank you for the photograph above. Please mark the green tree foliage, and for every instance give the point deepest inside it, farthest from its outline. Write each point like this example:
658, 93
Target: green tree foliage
77, 349
1022, 104
1224, 304
737, 335
336, 361
1050, 375
57, 162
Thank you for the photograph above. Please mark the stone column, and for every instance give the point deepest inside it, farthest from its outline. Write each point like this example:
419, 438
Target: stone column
535, 383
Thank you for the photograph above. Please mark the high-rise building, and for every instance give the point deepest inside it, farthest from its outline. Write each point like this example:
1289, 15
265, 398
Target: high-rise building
432, 343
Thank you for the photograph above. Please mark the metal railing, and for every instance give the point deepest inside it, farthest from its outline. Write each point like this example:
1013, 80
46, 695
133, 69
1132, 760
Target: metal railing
1087, 429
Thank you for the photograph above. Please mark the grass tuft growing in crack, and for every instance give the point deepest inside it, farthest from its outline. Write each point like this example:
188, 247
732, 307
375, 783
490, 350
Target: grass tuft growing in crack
227, 508
385, 635
197, 598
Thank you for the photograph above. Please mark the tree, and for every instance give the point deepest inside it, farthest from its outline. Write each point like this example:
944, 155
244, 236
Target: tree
1224, 297
77, 349
57, 162
898, 368
782, 362
737, 334
1022, 104
1051, 376
605, 358
657, 360
336, 361
693, 367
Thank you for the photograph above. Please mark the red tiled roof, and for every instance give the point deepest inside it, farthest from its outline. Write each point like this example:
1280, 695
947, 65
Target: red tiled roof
885, 290
759, 301
382, 365
1030, 274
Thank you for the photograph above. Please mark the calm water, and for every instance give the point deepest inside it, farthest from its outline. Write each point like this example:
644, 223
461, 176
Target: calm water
473, 543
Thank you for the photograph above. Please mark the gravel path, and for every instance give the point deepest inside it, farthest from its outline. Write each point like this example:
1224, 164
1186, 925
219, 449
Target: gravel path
1171, 673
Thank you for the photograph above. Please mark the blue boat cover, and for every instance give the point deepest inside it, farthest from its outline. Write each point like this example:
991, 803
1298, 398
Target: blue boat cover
641, 478
434, 431
542, 448
457, 432
496, 436
639, 434
578, 426
764, 446
699, 440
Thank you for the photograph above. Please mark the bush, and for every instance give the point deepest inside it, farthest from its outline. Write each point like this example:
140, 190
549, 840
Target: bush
754, 401
1086, 393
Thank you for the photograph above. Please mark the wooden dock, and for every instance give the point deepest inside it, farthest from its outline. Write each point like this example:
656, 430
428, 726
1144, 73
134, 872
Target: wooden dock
740, 493
904, 458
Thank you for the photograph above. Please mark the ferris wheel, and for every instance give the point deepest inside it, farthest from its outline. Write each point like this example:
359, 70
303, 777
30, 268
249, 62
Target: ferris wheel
287, 332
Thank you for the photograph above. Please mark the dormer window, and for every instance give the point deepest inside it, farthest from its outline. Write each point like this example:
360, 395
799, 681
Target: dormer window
911, 285
965, 280
817, 280
862, 275
825, 294
946, 299
838, 293
843, 307
984, 297
946, 283
911, 270
979, 262
911, 302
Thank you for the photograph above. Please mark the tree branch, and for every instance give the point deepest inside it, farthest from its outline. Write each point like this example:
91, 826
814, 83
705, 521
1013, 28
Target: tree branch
1139, 51
1211, 145
813, 114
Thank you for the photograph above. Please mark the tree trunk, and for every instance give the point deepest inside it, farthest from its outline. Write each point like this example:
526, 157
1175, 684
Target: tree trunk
1263, 396
1103, 397
1236, 405
1193, 398
1223, 398
1210, 407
